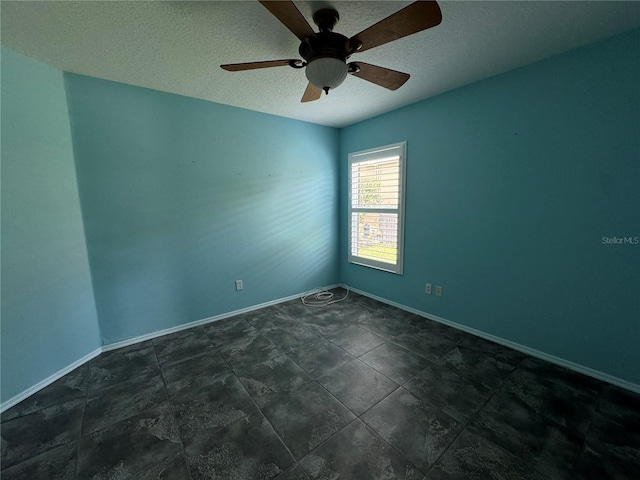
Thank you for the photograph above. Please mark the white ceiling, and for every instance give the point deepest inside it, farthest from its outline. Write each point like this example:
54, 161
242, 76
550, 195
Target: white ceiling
177, 47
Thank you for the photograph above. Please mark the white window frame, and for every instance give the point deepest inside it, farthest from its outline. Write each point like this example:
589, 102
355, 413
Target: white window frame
370, 155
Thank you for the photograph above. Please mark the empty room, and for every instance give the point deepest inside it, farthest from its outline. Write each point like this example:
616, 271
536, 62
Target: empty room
320, 240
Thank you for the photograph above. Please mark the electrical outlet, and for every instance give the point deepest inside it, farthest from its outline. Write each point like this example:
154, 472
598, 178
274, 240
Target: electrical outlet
427, 289
238, 284
438, 291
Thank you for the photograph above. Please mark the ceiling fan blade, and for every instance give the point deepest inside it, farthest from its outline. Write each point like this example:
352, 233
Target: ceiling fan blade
238, 67
412, 19
290, 16
385, 77
311, 94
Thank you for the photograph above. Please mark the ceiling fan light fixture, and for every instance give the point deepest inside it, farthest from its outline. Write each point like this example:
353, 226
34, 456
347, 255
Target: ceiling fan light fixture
326, 72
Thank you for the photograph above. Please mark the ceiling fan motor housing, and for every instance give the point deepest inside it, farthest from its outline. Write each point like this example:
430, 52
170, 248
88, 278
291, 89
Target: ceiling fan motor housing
325, 52
324, 44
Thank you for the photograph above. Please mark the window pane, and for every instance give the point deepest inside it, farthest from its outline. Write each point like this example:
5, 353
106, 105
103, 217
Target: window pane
375, 184
374, 236
376, 207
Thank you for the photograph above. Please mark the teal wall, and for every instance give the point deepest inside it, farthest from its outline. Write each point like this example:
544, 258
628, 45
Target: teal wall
181, 197
511, 184
48, 312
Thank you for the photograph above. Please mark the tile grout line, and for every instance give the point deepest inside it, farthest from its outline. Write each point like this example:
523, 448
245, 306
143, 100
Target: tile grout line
474, 416
464, 427
84, 409
171, 406
258, 409
313, 380
359, 417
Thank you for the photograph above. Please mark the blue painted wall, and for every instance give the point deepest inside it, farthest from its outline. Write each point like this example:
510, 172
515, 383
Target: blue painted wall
48, 312
511, 185
181, 197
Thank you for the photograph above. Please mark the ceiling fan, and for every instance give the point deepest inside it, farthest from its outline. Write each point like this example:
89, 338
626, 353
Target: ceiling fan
325, 53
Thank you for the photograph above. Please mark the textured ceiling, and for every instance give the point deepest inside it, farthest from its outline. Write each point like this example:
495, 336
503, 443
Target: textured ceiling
177, 47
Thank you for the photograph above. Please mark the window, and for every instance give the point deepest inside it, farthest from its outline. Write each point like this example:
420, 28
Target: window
376, 207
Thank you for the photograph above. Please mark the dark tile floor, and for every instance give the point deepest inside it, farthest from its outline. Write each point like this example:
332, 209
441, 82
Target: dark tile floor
355, 390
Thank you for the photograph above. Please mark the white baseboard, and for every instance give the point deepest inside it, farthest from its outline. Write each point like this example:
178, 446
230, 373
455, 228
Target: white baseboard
605, 377
215, 318
131, 341
49, 380
507, 343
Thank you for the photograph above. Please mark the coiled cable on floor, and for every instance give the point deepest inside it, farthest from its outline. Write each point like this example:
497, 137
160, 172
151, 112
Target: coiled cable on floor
321, 298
